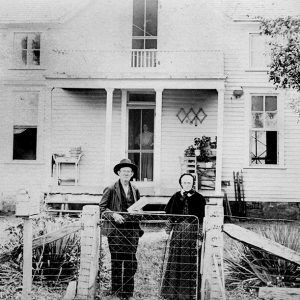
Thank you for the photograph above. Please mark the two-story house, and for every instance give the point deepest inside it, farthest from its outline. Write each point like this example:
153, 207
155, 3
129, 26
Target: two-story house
141, 79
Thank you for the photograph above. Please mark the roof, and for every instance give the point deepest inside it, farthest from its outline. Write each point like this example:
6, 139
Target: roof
39, 11
249, 9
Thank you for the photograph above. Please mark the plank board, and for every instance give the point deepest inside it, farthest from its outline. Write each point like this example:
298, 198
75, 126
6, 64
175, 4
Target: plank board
275, 293
56, 235
258, 241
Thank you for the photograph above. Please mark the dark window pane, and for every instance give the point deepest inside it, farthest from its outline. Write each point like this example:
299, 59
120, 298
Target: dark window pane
271, 103
257, 103
134, 129
138, 18
151, 18
137, 44
24, 56
142, 98
147, 167
264, 147
151, 44
271, 141
148, 119
24, 42
135, 158
36, 57
24, 145
36, 42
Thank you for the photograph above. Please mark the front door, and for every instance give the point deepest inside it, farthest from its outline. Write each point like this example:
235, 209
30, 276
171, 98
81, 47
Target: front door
141, 140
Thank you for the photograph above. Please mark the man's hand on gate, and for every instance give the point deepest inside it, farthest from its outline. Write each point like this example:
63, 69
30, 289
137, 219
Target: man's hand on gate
118, 218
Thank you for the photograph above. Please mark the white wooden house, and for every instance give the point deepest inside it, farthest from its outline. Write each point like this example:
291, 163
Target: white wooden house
91, 74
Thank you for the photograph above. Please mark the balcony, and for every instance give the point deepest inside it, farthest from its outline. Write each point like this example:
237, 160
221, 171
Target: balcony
136, 64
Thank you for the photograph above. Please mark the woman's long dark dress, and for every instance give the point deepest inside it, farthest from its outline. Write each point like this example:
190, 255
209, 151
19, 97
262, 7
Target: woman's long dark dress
180, 278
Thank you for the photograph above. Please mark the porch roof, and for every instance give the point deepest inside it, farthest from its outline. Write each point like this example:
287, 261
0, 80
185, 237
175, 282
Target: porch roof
137, 83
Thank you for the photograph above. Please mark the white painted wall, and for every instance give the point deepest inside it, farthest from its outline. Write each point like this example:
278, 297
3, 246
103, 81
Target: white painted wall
97, 43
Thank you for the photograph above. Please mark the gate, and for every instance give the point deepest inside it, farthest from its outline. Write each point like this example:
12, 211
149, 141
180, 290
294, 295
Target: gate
155, 264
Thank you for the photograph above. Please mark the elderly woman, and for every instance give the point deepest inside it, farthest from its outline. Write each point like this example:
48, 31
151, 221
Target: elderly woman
186, 208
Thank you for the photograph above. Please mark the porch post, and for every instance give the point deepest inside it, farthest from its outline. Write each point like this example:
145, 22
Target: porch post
123, 123
108, 127
157, 141
219, 161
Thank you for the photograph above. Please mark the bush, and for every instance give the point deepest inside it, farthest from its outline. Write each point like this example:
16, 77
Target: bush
53, 263
253, 267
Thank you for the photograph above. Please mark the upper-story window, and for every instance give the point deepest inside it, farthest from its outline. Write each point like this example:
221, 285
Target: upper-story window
27, 49
264, 131
259, 51
144, 33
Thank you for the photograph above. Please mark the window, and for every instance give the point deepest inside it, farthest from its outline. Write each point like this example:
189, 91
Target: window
141, 134
144, 28
27, 49
25, 126
259, 57
144, 33
24, 143
264, 141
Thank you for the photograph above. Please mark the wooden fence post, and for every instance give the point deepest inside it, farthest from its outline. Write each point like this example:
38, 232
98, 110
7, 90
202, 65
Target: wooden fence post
27, 205
212, 269
27, 259
89, 256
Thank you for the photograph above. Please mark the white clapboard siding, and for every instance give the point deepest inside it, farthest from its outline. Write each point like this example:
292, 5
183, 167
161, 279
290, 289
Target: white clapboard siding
264, 184
176, 137
79, 120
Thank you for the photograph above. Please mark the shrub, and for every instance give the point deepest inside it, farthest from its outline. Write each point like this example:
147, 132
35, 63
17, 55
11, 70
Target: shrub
253, 267
55, 262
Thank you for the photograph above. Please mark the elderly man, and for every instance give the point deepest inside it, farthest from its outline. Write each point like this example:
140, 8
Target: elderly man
124, 232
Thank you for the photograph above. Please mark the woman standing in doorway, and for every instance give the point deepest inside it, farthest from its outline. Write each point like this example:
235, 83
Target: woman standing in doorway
185, 227
145, 140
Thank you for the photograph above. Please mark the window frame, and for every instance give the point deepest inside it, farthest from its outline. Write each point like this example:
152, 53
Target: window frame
38, 124
36, 145
250, 51
17, 56
144, 37
263, 91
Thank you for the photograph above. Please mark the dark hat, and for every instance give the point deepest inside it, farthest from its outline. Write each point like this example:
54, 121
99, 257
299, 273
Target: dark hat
125, 162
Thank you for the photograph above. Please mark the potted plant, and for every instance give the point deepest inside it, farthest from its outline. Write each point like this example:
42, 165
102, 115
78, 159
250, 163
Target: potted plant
203, 147
189, 151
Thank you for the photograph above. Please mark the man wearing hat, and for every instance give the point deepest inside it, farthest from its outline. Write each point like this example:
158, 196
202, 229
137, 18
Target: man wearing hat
124, 232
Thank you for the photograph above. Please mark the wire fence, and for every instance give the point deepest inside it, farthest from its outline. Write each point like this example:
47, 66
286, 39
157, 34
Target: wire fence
55, 256
150, 256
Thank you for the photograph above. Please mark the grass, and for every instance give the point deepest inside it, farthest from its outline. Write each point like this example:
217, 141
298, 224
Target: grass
149, 255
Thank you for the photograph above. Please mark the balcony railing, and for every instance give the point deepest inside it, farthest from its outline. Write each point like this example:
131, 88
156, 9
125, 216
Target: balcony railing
130, 63
143, 58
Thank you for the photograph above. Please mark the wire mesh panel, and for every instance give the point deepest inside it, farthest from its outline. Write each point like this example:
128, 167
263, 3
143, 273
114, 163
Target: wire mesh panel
150, 256
55, 256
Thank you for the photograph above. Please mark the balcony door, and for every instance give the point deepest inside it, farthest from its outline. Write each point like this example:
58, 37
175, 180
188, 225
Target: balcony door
144, 33
141, 140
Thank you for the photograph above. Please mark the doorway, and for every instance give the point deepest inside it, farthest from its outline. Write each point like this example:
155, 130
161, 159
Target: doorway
141, 134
